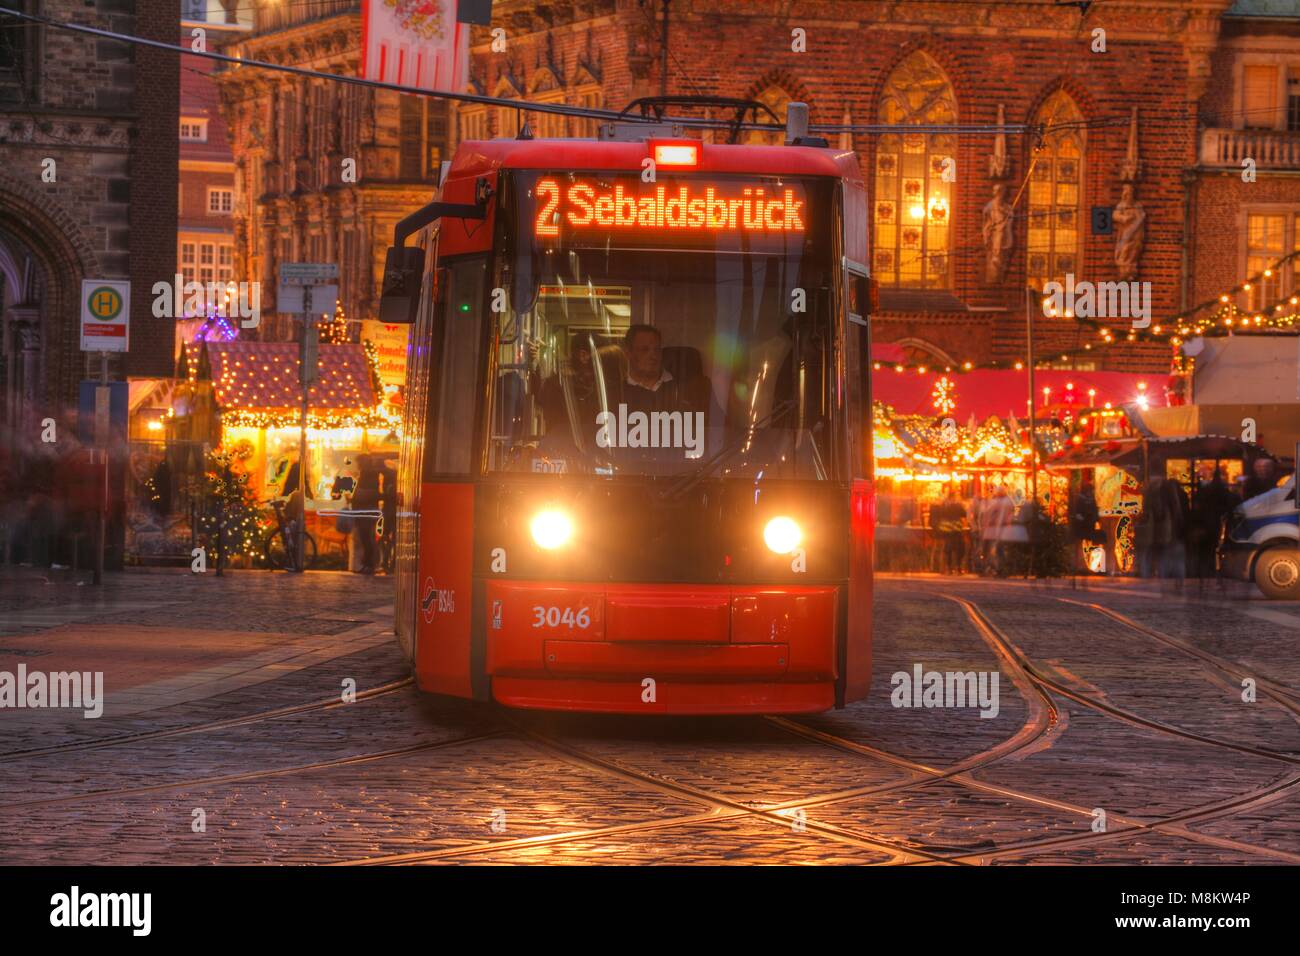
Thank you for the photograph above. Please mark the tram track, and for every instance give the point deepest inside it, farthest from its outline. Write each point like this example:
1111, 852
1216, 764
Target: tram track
1044, 718
1044, 721
722, 808
251, 775
292, 710
1129, 824
1119, 713
1279, 693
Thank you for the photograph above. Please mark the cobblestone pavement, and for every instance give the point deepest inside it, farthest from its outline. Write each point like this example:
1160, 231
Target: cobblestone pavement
1119, 738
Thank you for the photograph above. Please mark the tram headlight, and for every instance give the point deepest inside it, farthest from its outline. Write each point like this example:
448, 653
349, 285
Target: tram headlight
782, 534
551, 529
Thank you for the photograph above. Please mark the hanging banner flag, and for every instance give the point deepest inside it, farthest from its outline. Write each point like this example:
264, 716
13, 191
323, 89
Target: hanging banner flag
416, 43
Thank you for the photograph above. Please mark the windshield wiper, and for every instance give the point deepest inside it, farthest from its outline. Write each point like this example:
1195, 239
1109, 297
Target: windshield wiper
689, 480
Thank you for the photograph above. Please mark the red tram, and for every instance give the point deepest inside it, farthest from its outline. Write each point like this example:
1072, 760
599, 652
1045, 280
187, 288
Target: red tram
636, 471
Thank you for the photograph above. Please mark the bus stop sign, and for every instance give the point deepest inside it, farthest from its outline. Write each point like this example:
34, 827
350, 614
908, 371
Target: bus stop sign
105, 315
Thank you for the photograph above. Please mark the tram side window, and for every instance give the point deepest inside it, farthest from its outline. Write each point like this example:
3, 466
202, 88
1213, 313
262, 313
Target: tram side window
459, 333
858, 386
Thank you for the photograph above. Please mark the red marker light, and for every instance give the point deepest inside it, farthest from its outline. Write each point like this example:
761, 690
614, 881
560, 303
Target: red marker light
677, 154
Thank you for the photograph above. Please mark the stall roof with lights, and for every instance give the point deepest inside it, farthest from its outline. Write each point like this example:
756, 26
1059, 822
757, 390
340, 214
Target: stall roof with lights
256, 376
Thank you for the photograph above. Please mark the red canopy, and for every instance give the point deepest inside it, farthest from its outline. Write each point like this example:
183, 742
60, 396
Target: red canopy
1003, 392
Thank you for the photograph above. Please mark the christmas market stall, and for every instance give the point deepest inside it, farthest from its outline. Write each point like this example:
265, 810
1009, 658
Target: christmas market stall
171, 427
1122, 457
256, 389
940, 432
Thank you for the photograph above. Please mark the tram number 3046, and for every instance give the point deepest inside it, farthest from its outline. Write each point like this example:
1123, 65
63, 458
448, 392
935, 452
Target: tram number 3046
555, 617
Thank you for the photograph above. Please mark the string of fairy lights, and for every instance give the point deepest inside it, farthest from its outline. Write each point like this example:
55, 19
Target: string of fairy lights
1218, 316
247, 395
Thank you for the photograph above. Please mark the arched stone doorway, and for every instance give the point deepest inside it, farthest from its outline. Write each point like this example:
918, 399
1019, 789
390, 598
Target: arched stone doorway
43, 258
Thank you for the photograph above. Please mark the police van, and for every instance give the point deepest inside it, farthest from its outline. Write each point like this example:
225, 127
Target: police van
1262, 541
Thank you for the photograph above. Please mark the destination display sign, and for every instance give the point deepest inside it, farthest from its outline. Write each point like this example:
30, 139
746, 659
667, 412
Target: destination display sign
584, 208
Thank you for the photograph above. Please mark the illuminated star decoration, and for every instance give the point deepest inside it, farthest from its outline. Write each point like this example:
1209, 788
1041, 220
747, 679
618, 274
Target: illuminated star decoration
944, 396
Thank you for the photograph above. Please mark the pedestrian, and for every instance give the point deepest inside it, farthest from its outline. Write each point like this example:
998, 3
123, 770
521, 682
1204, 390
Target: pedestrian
1263, 477
366, 498
997, 522
292, 490
952, 532
1164, 503
1084, 516
974, 511
388, 505
1213, 502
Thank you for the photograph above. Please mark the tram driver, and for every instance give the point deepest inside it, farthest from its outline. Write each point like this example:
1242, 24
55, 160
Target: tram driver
649, 387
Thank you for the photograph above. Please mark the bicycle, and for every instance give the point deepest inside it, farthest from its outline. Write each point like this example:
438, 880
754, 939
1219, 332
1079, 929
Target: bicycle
281, 545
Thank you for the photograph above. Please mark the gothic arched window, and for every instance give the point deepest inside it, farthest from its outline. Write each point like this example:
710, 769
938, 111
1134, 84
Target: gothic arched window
913, 201
1056, 193
777, 100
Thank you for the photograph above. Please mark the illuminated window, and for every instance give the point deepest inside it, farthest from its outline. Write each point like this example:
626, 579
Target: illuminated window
473, 124
1293, 99
221, 201
912, 202
225, 262
777, 100
545, 89
548, 125
589, 97
188, 259
1265, 241
1055, 194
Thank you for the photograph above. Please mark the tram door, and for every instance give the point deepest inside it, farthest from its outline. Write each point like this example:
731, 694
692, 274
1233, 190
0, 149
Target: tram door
447, 662
855, 669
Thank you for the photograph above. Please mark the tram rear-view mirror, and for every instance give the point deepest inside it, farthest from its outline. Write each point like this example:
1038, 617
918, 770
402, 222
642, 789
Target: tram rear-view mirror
399, 299
859, 298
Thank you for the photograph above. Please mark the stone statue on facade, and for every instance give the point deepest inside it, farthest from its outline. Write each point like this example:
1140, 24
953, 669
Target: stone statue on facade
1131, 223
999, 234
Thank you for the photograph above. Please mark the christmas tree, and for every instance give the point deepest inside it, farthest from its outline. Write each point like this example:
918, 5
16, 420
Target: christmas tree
335, 331
229, 517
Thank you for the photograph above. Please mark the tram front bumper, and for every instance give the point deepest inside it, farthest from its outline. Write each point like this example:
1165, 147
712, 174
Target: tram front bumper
721, 649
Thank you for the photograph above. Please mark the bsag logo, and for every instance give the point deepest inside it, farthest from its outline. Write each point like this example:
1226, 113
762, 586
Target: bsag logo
437, 601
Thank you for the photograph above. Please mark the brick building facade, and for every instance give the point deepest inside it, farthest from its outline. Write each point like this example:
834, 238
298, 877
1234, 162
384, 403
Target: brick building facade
1243, 223
205, 235
1134, 92
875, 62
105, 114
324, 170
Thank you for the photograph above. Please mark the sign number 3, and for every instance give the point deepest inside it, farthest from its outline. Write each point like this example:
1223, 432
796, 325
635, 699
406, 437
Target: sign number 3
554, 617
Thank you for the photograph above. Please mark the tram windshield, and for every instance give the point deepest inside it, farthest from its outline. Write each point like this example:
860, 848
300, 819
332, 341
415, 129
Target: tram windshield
680, 327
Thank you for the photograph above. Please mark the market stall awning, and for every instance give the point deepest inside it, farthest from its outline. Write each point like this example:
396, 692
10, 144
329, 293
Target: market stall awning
1003, 392
1093, 453
1176, 421
264, 376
